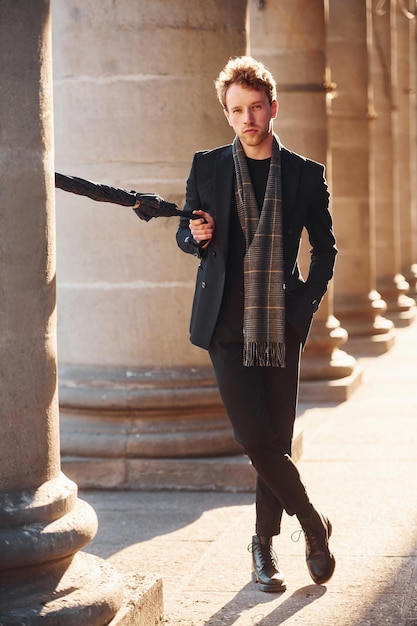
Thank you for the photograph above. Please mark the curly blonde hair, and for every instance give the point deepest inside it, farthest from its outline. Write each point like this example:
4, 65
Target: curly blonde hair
248, 72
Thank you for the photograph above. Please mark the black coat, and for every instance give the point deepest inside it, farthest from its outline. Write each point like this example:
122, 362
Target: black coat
305, 201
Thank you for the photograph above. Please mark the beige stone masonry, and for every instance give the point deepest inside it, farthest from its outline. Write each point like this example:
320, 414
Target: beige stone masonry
44, 575
134, 99
290, 38
406, 62
357, 303
390, 282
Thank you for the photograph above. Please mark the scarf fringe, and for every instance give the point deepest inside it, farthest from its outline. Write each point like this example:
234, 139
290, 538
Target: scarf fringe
264, 354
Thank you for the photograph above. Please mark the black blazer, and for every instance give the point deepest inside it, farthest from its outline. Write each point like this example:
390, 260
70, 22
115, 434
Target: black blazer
305, 201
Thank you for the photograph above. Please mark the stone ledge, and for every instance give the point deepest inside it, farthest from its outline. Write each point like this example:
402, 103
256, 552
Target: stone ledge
143, 602
221, 473
329, 391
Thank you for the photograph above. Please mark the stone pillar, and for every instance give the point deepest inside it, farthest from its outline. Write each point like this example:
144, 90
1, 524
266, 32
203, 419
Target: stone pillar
357, 303
390, 282
406, 64
410, 275
43, 525
134, 99
290, 38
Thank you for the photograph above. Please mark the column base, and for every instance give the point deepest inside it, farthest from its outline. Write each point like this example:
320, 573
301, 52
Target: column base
403, 312
43, 574
371, 346
80, 590
332, 391
363, 317
401, 309
140, 413
322, 359
410, 275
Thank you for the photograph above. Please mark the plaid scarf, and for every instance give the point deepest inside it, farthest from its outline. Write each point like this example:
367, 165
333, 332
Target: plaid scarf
264, 303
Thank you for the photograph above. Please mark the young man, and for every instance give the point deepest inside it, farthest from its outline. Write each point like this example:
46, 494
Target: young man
252, 310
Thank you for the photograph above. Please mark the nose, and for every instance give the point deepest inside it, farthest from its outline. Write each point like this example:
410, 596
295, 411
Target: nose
248, 117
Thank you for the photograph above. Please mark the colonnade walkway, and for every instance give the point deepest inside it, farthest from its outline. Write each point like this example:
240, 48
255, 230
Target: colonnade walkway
359, 463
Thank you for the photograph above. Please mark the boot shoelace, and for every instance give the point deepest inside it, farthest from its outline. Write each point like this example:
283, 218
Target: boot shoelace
310, 537
295, 536
266, 551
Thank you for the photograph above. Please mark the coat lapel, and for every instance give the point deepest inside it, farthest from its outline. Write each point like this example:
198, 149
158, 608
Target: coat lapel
223, 190
290, 174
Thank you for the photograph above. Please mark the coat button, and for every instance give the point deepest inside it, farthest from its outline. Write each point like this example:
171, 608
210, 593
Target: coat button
203, 284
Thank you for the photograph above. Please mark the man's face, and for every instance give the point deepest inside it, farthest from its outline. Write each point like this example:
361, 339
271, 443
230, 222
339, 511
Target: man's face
250, 114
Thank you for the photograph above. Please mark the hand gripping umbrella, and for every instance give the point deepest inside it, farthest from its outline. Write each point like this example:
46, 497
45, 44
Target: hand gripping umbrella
145, 205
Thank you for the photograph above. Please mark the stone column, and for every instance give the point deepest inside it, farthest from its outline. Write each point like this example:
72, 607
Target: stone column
357, 303
411, 274
290, 38
390, 282
43, 525
406, 64
134, 99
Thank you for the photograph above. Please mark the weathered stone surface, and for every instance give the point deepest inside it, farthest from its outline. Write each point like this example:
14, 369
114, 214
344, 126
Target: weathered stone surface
43, 525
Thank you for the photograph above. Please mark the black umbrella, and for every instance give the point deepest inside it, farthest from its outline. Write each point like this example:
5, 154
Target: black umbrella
145, 205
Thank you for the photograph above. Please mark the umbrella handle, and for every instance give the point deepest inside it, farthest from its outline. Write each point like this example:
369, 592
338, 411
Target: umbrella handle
195, 243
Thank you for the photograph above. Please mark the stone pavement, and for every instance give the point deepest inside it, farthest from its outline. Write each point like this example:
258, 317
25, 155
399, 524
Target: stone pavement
360, 467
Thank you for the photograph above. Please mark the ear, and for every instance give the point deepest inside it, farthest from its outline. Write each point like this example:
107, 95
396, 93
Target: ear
274, 109
226, 112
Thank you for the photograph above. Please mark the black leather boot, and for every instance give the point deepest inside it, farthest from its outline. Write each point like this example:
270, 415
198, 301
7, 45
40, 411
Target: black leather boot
265, 570
320, 561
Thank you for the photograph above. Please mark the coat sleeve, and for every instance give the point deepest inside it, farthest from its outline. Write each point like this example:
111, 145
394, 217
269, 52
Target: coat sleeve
310, 212
192, 203
323, 252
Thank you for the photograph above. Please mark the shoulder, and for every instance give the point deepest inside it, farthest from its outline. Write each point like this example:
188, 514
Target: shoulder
298, 160
214, 153
207, 162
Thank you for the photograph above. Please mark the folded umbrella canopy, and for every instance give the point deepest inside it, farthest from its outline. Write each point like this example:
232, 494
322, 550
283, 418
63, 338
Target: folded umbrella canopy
145, 205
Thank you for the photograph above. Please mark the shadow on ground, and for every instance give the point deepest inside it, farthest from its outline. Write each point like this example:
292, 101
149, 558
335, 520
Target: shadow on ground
229, 614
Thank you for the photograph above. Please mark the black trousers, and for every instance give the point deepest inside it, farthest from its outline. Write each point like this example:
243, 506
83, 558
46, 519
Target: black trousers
261, 404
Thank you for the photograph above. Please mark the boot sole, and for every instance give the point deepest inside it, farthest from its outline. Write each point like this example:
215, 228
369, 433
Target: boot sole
268, 588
